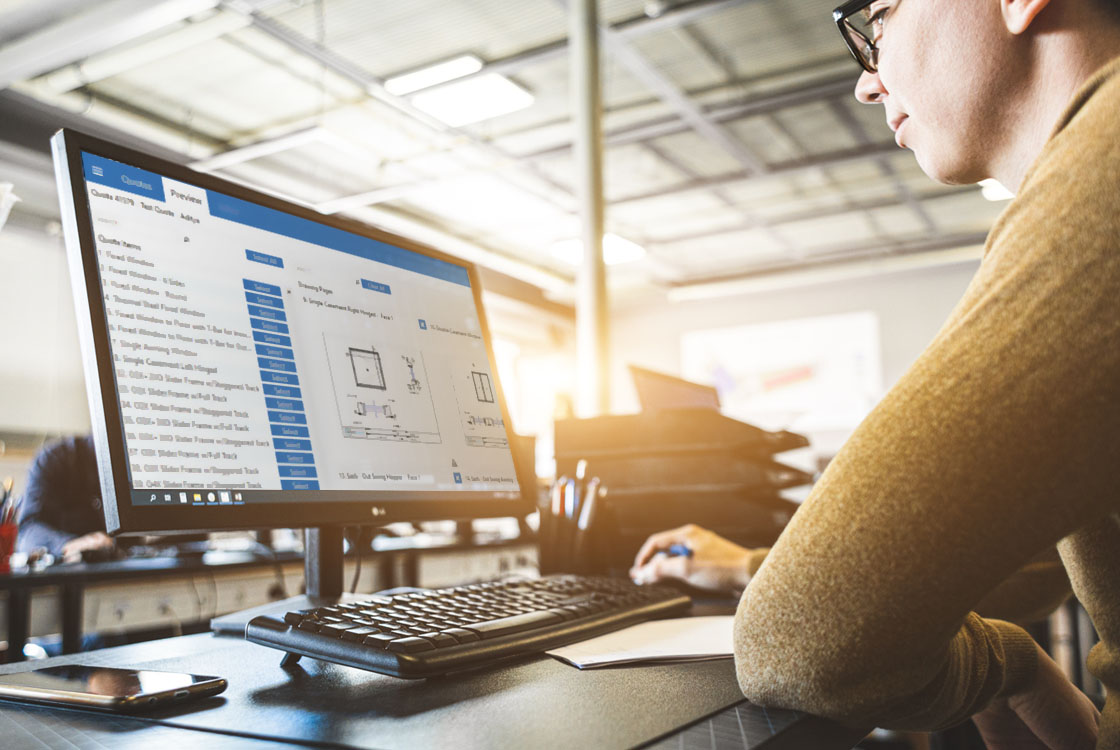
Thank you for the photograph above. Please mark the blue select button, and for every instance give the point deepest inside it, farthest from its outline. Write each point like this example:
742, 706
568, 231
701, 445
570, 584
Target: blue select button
281, 391
268, 260
286, 404
267, 312
289, 430
284, 378
267, 325
298, 471
276, 364
293, 484
284, 444
375, 286
274, 351
264, 299
264, 337
260, 286
284, 417
294, 458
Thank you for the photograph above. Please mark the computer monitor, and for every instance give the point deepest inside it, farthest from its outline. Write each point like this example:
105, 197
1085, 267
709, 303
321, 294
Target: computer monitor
253, 364
657, 390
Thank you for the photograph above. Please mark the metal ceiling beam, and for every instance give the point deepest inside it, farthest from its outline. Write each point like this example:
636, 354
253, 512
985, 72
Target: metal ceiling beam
845, 253
814, 213
635, 28
665, 126
101, 27
689, 111
375, 88
639, 133
750, 219
793, 166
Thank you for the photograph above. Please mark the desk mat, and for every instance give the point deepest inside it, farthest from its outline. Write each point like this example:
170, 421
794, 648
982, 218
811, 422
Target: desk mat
24, 727
746, 726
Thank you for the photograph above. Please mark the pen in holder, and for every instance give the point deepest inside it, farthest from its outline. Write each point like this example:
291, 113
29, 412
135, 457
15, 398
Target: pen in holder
8, 526
571, 527
8, 532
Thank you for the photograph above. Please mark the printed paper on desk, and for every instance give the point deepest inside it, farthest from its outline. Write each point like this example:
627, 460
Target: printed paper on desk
658, 641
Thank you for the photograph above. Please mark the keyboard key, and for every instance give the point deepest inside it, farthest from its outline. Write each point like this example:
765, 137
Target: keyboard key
357, 634
515, 624
410, 645
462, 635
440, 639
379, 640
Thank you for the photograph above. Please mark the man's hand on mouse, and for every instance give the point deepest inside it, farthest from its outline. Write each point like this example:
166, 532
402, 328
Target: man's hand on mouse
712, 562
72, 550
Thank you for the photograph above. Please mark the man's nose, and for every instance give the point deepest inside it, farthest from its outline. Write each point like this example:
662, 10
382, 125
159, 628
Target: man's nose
869, 89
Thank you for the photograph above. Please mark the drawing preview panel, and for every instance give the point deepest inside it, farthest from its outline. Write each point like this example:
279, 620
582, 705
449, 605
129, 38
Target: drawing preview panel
257, 350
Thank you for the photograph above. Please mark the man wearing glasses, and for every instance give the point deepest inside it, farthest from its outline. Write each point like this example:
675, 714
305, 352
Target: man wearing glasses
1001, 441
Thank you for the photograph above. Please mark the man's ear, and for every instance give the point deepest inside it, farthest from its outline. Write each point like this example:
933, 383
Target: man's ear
1018, 15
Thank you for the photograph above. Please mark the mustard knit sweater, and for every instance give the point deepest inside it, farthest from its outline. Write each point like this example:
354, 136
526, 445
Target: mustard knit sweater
1002, 441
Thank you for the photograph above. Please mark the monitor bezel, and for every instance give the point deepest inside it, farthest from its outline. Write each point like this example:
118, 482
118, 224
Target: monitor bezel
360, 507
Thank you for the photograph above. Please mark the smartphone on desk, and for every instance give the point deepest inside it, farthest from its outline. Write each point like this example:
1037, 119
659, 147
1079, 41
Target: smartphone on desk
107, 688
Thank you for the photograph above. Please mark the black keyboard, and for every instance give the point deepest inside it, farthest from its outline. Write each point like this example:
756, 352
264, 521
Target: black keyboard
429, 633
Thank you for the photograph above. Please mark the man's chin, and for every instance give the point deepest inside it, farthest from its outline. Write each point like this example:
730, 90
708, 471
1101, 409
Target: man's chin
947, 172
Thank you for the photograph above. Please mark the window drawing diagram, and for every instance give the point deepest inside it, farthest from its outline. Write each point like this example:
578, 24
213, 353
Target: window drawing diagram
479, 413
366, 364
381, 392
482, 388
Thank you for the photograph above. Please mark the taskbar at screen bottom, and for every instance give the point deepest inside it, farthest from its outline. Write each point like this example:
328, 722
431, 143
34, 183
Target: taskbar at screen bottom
218, 497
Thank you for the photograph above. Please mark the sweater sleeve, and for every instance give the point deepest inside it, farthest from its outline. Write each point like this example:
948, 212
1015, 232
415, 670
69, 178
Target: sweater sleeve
43, 507
1031, 594
1000, 440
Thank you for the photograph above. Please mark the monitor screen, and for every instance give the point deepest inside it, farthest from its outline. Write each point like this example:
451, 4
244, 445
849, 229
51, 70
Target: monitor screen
657, 390
257, 360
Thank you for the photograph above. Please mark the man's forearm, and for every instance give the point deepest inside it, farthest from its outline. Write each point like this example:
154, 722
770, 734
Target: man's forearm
34, 534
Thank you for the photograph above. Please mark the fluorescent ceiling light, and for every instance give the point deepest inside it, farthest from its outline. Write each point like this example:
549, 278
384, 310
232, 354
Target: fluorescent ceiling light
475, 99
433, 75
994, 191
616, 250
278, 144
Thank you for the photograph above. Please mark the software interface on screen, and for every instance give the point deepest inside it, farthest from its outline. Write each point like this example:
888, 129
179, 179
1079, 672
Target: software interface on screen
256, 350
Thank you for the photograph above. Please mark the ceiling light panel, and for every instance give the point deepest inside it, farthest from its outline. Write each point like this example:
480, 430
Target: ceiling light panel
225, 89
473, 100
482, 201
387, 39
433, 75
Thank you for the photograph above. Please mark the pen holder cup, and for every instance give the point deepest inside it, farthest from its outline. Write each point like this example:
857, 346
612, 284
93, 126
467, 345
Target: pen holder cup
8, 533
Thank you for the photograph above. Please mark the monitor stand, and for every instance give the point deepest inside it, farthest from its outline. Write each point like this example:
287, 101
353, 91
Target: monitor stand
322, 570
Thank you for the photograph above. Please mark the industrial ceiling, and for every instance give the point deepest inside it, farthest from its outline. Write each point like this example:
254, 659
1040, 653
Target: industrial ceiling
734, 145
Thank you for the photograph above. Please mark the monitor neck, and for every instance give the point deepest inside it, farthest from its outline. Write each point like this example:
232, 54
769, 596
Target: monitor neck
322, 561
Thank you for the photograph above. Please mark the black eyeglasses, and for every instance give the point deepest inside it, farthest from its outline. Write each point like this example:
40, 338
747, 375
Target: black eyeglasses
861, 29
